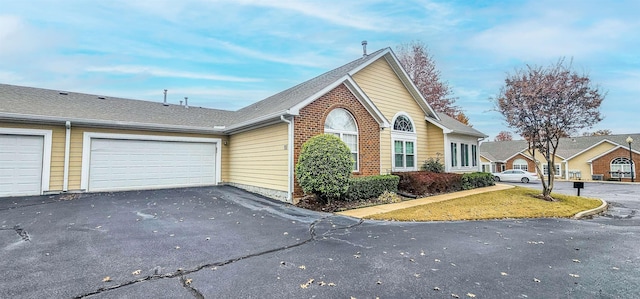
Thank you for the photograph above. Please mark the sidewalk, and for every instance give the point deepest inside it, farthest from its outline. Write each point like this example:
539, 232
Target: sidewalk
368, 211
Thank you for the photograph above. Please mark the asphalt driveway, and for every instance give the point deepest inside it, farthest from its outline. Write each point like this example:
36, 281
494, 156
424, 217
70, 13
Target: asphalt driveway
220, 242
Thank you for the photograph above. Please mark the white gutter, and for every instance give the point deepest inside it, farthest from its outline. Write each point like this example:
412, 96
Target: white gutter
67, 147
289, 158
248, 123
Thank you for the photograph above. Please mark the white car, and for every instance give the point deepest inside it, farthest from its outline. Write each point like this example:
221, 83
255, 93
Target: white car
515, 175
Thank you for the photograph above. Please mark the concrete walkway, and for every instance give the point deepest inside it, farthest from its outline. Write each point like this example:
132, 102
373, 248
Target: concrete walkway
368, 211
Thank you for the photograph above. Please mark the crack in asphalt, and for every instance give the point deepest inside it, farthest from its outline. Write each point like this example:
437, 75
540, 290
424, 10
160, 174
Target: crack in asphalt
181, 273
20, 231
187, 285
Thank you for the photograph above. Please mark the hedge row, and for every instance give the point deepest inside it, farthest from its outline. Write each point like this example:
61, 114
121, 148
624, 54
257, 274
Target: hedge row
477, 180
422, 183
371, 186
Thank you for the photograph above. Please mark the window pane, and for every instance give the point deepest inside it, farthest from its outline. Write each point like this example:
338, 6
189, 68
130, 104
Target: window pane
409, 146
399, 160
403, 123
351, 141
340, 120
354, 156
454, 154
399, 147
410, 161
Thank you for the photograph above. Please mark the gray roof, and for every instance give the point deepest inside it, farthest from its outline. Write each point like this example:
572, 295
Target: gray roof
289, 98
54, 105
567, 147
27, 103
502, 150
455, 126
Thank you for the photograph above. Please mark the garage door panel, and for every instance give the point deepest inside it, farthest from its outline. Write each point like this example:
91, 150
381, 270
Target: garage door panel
118, 164
21, 159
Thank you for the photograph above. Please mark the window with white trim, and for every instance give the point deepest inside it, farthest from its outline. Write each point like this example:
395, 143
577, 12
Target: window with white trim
341, 123
474, 155
521, 164
454, 154
545, 169
464, 154
404, 142
620, 168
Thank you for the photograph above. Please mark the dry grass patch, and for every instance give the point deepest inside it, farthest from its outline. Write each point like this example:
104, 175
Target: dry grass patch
516, 202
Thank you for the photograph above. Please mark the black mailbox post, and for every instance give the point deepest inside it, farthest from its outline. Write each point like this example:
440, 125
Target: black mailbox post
578, 185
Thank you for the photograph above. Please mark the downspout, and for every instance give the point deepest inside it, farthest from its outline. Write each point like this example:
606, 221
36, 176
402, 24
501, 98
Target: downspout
67, 147
566, 169
289, 158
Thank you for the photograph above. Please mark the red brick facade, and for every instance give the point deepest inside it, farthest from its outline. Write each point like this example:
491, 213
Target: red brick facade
531, 167
310, 123
602, 165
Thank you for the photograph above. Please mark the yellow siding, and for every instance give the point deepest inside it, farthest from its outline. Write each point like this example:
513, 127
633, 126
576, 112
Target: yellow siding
483, 160
57, 151
579, 163
259, 157
77, 135
386, 91
435, 142
385, 151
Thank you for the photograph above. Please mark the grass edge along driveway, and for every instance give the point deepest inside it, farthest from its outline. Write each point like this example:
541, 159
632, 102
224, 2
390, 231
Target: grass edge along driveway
516, 202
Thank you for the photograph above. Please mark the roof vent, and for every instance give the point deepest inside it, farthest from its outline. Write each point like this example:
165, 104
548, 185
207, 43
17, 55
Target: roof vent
102, 98
364, 48
64, 93
186, 104
165, 98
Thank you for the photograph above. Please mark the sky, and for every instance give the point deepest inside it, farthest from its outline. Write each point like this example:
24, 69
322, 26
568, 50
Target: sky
228, 54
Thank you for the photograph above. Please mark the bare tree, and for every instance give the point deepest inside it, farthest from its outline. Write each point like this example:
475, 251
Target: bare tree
421, 68
604, 132
503, 136
544, 104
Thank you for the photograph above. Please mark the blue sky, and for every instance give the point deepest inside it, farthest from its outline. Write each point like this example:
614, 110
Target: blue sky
228, 54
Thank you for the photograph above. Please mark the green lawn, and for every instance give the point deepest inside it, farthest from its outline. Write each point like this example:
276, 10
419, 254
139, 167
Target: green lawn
516, 202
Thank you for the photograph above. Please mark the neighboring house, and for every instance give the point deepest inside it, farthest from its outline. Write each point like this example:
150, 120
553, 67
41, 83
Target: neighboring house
53, 141
577, 158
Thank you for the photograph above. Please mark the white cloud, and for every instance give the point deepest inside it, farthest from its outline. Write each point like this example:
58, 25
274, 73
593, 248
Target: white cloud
159, 72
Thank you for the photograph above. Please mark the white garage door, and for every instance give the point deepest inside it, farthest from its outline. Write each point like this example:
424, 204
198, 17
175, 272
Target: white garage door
118, 164
21, 165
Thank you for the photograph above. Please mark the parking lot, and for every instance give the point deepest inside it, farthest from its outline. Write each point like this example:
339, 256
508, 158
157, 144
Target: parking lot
221, 242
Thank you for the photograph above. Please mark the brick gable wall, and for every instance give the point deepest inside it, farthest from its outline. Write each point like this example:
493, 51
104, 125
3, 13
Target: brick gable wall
531, 167
310, 123
602, 165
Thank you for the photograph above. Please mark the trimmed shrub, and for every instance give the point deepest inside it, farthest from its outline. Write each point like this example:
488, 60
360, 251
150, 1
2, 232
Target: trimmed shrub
422, 183
477, 180
324, 167
361, 188
433, 165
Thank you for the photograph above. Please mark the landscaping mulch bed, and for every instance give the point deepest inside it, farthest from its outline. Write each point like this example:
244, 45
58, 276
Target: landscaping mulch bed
313, 203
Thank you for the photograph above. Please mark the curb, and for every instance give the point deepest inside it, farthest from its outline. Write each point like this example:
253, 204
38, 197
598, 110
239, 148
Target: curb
603, 207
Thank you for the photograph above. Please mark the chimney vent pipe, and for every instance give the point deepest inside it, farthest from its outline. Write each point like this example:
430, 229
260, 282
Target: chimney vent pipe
364, 48
165, 98
186, 104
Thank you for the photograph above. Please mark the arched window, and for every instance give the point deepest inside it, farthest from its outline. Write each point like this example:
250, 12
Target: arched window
403, 124
403, 138
520, 164
341, 123
621, 168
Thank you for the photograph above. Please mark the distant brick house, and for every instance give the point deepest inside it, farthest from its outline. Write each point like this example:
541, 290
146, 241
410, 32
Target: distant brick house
577, 158
53, 141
